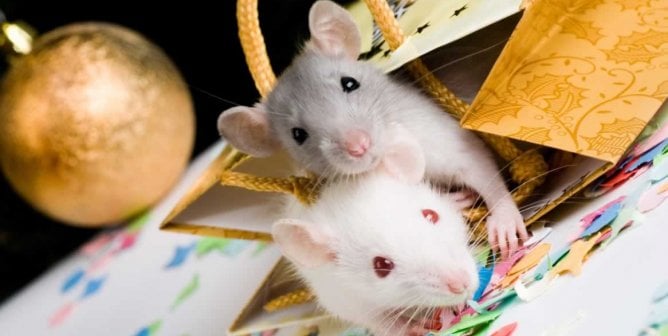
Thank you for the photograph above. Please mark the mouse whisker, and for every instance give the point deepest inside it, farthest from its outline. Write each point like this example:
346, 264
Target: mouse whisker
212, 95
433, 71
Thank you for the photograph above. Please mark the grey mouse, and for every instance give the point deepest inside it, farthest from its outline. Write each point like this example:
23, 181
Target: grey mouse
336, 117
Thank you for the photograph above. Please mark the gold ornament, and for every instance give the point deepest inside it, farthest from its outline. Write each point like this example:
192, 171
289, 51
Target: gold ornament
96, 124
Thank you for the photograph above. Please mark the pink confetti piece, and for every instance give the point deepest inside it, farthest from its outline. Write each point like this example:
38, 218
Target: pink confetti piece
607, 234
100, 264
502, 268
96, 245
506, 330
125, 241
651, 199
61, 315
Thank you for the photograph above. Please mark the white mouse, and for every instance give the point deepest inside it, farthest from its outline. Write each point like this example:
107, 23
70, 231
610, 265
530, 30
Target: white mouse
376, 250
336, 116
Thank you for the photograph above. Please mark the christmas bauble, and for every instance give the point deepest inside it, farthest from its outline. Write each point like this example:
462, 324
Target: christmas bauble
96, 124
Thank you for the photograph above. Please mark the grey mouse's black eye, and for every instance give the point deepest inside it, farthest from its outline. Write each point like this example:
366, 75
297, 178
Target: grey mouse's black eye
300, 135
382, 266
349, 84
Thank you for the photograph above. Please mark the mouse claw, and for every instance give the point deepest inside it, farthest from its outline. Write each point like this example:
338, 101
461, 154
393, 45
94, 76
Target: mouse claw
506, 232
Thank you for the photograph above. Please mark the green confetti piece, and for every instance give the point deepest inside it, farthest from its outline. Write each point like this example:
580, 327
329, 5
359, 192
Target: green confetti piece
208, 244
153, 328
482, 254
507, 293
470, 322
187, 291
658, 121
138, 222
663, 331
483, 330
259, 248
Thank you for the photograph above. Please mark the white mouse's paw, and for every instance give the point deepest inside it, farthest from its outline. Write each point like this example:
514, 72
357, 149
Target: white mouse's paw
464, 198
506, 230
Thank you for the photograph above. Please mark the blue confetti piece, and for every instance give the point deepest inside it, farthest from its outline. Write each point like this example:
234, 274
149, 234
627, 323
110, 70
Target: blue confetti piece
93, 286
235, 247
659, 314
181, 253
648, 156
603, 220
661, 293
659, 171
149, 330
484, 276
72, 280
143, 332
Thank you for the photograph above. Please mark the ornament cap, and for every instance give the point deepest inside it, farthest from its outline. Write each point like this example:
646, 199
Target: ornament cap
16, 38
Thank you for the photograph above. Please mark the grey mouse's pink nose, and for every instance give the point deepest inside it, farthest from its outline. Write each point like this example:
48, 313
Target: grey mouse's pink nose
356, 142
457, 281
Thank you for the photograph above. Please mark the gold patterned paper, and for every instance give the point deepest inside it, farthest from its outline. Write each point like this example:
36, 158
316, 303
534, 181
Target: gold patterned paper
583, 76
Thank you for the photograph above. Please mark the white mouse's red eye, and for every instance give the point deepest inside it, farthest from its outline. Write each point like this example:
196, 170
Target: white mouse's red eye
382, 266
430, 215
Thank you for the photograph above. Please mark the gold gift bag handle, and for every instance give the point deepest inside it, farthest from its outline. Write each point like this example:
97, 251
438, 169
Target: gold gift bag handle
527, 169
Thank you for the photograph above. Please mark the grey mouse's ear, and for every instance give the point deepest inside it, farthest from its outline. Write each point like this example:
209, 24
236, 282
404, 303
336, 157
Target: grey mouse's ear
247, 129
302, 243
333, 31
404, 158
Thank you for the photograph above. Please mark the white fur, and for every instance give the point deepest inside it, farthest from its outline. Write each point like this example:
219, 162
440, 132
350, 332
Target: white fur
378, 216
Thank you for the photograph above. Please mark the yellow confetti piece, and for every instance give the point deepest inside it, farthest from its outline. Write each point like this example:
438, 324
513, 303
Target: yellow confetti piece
508, 280
663, 188
529, 261
572, 263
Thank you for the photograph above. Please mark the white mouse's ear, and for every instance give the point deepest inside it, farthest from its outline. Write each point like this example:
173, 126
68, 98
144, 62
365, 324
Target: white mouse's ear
247, 129
333, 31
301, 243
404, 158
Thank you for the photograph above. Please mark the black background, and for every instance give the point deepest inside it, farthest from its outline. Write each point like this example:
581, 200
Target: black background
201, 38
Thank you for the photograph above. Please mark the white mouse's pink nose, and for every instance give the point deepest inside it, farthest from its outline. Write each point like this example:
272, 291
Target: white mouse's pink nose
456, 281
356, 142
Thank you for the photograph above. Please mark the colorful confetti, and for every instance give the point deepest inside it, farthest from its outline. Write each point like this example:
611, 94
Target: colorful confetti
643, 155
100, 252
598, 228
472, 322
149, 330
